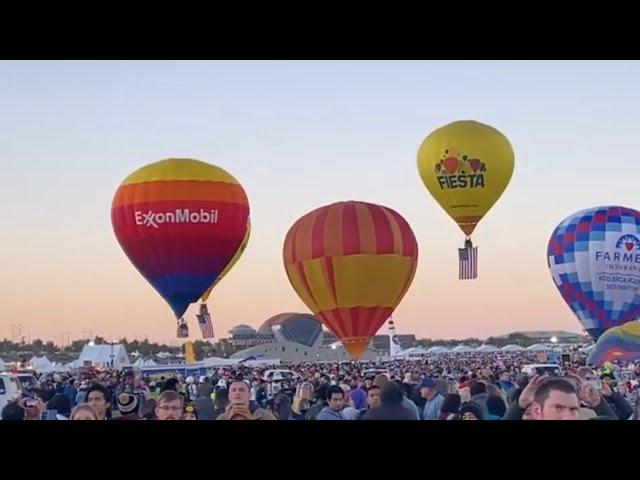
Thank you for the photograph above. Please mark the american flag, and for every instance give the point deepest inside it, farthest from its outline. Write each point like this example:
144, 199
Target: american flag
204, 322
468, 263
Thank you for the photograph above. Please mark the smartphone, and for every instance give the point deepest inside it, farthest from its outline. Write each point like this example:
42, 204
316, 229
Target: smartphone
595, 383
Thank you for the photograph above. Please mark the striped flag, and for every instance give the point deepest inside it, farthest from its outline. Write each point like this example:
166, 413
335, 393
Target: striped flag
204, 322
468, 263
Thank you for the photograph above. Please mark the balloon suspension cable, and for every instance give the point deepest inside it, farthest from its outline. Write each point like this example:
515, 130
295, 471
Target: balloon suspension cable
467, 242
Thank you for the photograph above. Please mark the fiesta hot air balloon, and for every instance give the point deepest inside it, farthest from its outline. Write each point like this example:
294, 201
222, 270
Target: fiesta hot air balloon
466, 166
180, 222
620, 343
594, 259
351, 263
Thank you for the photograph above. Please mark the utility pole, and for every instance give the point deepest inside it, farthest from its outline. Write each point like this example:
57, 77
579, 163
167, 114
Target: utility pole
16, 332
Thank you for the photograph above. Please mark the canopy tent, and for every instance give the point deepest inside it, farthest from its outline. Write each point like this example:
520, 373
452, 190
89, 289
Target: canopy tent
512, 348
413, 352
438, 349
41, 365
462, 349
487, 349
104, 356
539, 347
140, 362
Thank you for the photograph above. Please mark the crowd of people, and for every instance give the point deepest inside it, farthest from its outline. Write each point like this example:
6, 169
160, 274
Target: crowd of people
445, 387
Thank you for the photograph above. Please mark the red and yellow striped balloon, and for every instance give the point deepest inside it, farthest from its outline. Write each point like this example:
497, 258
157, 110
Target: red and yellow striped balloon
351, 263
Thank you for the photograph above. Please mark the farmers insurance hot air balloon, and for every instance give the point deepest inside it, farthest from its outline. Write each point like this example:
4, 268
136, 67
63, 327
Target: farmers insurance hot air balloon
466, 166
594, 259
351, 263
180, 222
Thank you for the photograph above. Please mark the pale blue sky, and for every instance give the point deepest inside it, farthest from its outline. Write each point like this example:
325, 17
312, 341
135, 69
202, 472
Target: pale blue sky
71, 131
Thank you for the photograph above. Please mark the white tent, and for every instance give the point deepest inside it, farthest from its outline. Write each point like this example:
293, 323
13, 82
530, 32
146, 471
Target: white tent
462, 349
487, 349
438, 349
40, 364
102, 356
73, 364
164, 355
140, 362
59, 367
512, 348
414, 352
539, 347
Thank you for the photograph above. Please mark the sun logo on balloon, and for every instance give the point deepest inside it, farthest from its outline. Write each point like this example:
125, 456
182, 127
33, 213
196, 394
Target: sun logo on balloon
454, 163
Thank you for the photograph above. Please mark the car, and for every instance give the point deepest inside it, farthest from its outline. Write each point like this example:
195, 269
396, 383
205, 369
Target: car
10, 388
27, 380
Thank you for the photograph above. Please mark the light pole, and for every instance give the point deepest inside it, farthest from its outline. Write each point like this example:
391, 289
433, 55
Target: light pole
111, 343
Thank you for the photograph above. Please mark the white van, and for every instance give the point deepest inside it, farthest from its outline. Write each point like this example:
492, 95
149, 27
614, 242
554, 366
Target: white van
10, 388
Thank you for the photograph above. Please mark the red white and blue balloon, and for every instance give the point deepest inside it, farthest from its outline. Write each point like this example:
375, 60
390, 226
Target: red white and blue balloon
594, 259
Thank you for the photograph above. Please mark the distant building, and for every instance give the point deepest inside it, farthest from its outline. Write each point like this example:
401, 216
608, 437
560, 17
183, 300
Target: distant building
380, 342
244, 336
290, 337
546, 336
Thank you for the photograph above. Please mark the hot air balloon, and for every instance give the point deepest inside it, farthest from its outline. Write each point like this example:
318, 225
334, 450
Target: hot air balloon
466, 166
594, 259
180, 222
351, 263
234, 260
618, 343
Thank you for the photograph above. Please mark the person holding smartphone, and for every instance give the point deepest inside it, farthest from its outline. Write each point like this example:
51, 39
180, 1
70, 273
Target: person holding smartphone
548, 398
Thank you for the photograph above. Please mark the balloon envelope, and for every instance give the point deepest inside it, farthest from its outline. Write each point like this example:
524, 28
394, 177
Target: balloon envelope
231, 264
180, 222
351, 263
594, 259
618, 343
466, 166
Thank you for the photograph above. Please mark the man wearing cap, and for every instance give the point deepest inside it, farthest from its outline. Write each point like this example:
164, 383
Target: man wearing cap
240, 408
434, 400
128, 406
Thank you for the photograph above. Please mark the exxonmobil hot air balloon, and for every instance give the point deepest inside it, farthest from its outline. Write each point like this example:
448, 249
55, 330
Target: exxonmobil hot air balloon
466, 166
594, 259
204, 318
180, 221
234, 260
351, 263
